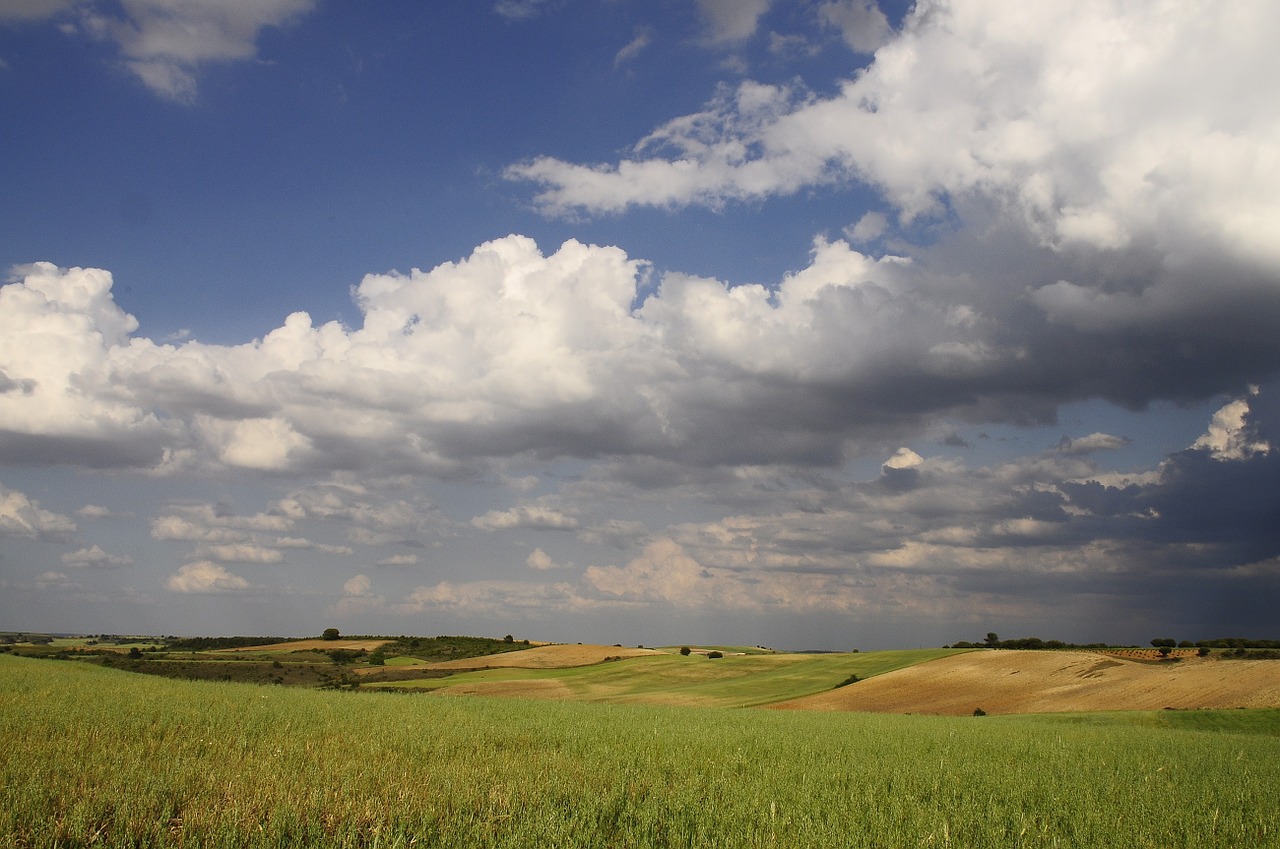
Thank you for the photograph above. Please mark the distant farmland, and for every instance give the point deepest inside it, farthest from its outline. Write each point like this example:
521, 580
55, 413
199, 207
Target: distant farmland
96, 756
648, 676
1057, 682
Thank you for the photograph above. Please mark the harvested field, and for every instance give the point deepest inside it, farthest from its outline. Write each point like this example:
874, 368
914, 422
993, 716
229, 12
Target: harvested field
1006, 681
1148, 654
311, 645
546, 657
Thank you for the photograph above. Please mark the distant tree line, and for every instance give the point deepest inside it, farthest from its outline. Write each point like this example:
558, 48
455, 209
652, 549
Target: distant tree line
993, 641
212, 643
443, 648
1233, 643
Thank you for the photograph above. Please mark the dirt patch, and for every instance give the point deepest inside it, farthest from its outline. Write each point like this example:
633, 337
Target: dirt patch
546, 657
1008, 681
313, 645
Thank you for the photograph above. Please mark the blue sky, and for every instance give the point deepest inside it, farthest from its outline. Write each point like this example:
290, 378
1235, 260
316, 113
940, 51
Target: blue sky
817, 324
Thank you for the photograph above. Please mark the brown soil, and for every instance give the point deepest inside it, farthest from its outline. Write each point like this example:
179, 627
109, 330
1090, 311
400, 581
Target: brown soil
545, 657
1053, 682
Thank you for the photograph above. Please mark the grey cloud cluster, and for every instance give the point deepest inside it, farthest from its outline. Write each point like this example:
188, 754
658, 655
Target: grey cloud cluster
860, 22
932, 536
217, 535
928, 537
1020, 541
512, 353
362, 516
1113, 185
1116, 158
162, 42
1097, 195
530, 516
94, 557
732, 20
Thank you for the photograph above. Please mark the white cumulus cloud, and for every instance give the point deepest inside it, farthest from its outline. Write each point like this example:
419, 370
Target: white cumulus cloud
530, 516
1229, 436
357, 586
540, 561
94, 557
205, 577
20, 516
1092, 124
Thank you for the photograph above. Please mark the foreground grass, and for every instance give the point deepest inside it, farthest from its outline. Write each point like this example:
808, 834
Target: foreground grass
693, 681
94, 756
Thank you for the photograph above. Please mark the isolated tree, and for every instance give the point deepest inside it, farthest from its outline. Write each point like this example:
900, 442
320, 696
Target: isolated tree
684, 650
508, 639
329, 634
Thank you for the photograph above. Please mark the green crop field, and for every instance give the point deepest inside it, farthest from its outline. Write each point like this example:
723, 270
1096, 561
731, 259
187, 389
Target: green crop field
93, 756
696, 680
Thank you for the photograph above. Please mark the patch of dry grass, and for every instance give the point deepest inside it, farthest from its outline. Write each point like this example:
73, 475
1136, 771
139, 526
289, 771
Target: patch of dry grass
1011, 681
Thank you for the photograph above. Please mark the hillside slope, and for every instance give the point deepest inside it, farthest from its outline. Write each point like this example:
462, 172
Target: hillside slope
653, 676
547, 657
1053, 682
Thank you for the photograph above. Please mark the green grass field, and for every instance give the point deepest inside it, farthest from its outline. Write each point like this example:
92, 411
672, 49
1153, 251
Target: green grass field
696, 680
99, 757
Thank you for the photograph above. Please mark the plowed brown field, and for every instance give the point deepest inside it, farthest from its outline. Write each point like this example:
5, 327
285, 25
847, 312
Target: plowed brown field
1053, 682
545, 657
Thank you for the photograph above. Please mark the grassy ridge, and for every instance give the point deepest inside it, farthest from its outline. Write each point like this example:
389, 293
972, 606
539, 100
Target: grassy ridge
94, 756
730, 681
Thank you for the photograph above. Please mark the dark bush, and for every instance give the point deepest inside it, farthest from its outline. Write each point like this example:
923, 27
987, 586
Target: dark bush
685, 650
343, 655
714, 654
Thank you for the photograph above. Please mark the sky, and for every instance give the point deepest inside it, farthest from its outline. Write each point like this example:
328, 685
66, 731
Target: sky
811, 324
